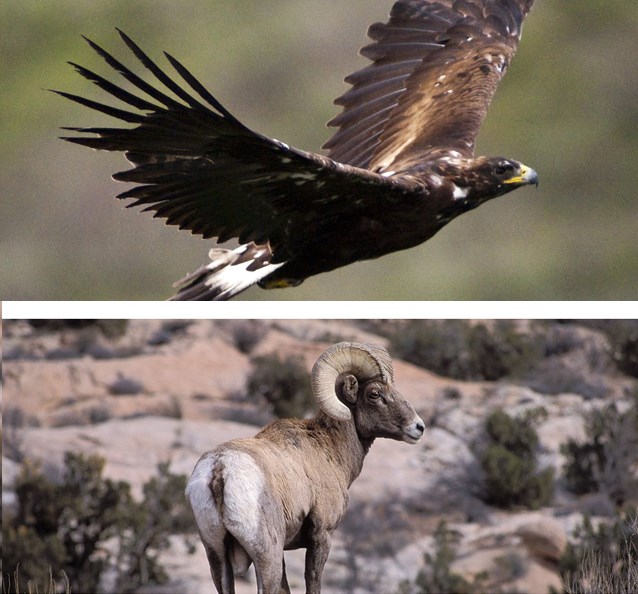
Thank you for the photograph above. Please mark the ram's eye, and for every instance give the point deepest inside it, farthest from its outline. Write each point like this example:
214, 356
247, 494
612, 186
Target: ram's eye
374, 394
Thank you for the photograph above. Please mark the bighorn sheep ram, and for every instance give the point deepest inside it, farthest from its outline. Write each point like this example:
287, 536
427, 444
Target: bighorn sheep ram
287, 487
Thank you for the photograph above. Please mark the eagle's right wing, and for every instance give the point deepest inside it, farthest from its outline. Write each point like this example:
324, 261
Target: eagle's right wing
435, 67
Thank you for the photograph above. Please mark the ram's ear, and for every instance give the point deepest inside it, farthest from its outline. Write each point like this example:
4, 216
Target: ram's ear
348, 388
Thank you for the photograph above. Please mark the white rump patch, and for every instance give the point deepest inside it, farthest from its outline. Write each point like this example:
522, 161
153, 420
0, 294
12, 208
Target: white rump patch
201, 500
244, 484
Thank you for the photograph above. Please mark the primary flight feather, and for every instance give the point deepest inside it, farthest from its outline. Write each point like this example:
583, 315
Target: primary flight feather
399, 167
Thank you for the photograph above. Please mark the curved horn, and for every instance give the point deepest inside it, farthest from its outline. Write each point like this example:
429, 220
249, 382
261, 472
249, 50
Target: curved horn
363, 361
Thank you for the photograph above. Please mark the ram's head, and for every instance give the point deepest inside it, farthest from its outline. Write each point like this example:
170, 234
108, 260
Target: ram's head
352, 381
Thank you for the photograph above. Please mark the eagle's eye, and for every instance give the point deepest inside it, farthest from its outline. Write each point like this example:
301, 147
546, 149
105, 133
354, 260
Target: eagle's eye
503, 169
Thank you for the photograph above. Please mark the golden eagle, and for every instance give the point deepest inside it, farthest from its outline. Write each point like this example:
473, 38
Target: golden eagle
400, 166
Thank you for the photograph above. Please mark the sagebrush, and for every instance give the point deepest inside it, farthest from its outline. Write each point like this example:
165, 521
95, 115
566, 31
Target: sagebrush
63, 525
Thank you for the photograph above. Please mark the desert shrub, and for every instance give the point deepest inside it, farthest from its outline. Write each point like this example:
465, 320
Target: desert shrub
602, 559
626, 355
99, 414
283, 383
162, 512
63, 526
123, 386
169, 330
623, 336
110, 328
437, 575
96, 338
608, 460
14, 420
508, 461
575, 359
247, 334
461, 350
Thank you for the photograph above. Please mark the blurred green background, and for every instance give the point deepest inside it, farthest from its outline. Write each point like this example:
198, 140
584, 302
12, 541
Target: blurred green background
568, 107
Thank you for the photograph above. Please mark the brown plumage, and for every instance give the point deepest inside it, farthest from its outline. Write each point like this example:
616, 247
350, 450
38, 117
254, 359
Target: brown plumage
436, 66
400, 166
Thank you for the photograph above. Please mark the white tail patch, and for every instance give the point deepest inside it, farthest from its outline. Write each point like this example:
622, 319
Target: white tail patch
226, 275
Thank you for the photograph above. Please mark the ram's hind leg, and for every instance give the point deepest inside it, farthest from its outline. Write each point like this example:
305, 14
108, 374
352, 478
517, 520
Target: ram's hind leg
221, 571
271, 576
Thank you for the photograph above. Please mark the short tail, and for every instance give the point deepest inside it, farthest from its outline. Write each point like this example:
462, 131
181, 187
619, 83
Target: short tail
229, 273
238, 557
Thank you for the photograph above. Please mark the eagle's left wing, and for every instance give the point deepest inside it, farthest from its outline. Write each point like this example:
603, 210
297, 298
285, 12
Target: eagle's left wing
199, 168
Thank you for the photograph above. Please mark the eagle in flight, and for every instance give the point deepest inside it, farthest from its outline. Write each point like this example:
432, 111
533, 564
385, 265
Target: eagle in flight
399, 166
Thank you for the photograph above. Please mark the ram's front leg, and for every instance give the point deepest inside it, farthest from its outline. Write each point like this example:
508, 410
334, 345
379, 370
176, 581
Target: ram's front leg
316, 557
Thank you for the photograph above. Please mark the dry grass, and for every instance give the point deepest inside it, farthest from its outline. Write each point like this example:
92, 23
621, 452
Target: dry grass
606, 573
11, 584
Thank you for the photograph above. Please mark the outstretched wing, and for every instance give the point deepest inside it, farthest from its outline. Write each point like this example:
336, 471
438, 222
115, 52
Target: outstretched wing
201, 169
435, 67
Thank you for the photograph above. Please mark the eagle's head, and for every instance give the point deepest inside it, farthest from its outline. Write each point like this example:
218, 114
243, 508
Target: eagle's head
472, 181
490, 177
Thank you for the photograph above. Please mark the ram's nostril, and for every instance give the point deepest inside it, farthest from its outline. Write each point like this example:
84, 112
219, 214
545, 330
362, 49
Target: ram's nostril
420, 427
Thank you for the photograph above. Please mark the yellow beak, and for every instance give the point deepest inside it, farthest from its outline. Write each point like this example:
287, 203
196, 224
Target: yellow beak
526, 176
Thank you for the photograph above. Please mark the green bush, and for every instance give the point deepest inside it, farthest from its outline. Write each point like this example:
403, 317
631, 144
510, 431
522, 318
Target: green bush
63, 526
584, 460
605, 461
284, 383
509, 464
466, 351
110, 328
623, 337
247, 334
626, 355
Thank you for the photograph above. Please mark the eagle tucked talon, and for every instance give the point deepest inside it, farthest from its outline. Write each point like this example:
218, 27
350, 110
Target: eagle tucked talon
400, 166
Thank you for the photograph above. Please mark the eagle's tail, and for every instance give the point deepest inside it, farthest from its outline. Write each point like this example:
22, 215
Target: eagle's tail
229, 273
